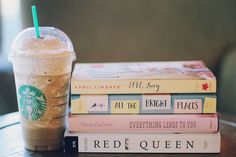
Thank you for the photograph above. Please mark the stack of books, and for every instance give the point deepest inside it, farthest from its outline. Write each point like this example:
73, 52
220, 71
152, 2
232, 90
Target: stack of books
143, 107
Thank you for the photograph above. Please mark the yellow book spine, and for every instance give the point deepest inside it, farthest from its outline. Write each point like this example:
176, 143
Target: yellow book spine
142, 86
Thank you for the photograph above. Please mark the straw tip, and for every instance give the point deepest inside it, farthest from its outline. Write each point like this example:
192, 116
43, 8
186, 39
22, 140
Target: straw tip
33, 7
35, 20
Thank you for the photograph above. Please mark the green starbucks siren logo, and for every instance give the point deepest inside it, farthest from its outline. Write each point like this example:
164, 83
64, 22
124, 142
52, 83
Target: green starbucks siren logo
32, 102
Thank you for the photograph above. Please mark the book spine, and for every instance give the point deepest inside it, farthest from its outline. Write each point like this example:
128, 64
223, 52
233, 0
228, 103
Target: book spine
135, 104
188, 123
141, 143
142, 86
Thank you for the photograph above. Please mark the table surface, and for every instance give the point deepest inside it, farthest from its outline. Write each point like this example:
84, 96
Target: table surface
11, 143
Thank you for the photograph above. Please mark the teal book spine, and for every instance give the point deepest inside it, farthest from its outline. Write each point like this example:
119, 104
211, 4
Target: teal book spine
143, 103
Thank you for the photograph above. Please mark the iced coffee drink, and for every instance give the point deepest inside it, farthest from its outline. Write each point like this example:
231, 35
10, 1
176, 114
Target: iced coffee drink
42, 69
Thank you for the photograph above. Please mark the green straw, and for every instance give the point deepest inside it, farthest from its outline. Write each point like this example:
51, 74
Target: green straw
35, 19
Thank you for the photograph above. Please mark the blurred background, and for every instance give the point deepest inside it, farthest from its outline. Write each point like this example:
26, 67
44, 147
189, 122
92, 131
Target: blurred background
131, 30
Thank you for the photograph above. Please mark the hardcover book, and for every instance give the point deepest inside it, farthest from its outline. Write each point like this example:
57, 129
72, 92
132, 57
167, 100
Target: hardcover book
143, 104
142, 77
164, 123
141, 143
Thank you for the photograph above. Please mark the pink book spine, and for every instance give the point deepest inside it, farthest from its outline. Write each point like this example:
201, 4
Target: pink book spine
192, 123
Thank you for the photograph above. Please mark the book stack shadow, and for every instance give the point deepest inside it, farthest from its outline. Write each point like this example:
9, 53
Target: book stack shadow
143, 107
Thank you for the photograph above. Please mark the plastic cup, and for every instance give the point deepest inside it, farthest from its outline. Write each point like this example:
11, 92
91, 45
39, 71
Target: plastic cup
42, 69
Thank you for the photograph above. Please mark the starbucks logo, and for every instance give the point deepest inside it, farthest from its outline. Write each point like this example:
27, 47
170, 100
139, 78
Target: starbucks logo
32, 102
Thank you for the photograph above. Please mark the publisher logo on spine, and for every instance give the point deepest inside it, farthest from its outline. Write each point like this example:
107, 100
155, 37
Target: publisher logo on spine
32, 102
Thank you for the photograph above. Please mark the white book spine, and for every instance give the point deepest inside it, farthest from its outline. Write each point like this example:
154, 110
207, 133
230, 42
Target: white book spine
142, 143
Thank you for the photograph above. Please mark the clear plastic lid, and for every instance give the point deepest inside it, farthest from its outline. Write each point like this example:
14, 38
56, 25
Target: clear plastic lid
52, 42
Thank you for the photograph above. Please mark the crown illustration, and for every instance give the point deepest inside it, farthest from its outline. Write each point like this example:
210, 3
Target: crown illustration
27, 91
